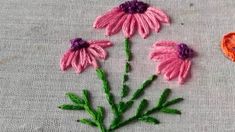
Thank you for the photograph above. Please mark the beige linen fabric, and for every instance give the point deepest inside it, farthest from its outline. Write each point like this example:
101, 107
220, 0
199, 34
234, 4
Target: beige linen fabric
35, 33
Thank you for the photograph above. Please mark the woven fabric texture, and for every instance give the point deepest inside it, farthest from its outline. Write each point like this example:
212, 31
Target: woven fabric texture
35, 33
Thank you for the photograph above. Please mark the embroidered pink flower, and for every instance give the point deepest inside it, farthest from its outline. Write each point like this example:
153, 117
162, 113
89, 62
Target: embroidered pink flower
83, 54
175, 59
130, 16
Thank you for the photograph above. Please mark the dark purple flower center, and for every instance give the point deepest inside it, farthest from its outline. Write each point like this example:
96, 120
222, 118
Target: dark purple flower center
134, 6
185, 52
78, 43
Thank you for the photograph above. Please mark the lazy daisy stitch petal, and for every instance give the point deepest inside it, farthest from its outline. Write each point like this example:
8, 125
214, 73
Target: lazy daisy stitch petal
144, 112
175, 61
83, 54
131, 16
174, 58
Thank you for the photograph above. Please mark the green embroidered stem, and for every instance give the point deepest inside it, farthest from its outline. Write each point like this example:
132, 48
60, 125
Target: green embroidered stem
127, 45
106, 87
83, 103
162, 106
135, 118
138, 93
97, 115
124, 106
125, 88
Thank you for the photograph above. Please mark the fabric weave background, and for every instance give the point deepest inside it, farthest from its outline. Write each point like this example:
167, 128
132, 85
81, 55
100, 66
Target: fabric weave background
35, 33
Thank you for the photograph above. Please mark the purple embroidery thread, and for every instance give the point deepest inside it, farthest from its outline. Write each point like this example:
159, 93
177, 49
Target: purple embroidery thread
78, 43
185, 52
134, 6
132, 16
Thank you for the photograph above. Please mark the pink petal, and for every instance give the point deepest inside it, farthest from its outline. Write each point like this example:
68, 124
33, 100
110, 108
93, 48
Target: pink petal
93, 61
143, 27
152, 22
76, 62
65, 61
128, 27
159, 14
90, 59
84, 59
103, 21
116, 26
188, 67
163, 53
184, 71
133, 26
170, 66
176, 71
163, 64
101, 43
164, 49
162, 57
165, 43
98, 52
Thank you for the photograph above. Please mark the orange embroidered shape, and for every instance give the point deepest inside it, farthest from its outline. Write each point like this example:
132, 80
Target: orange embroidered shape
228, 45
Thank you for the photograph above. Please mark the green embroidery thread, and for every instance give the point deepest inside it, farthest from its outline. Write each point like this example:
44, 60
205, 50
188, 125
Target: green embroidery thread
125, 88
83, 103
143, 113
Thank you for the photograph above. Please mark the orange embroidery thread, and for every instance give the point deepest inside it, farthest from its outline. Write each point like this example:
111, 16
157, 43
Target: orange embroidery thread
228, 45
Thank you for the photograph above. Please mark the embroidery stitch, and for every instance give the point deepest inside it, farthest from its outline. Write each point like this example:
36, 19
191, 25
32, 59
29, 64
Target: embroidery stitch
125, 88
130, 16
228, 45
83, 103
142, 113
175, 59
83, 54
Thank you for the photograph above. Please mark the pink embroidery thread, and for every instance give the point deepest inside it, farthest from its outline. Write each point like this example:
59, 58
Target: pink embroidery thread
130, 16
83, 54
175, 59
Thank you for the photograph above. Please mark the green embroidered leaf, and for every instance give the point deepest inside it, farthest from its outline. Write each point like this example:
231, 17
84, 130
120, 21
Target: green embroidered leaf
106, 86
172, 102
122, 107
149, 120
143, 105
128, 49
127, 67
125, 91
75, 98
111, 98
100, 113
87, 106
71, 107
149, 81
125, 78
88, 122
100, 73
86, 96
171, 111
139, 92
128, 105
164, 97
116, 121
